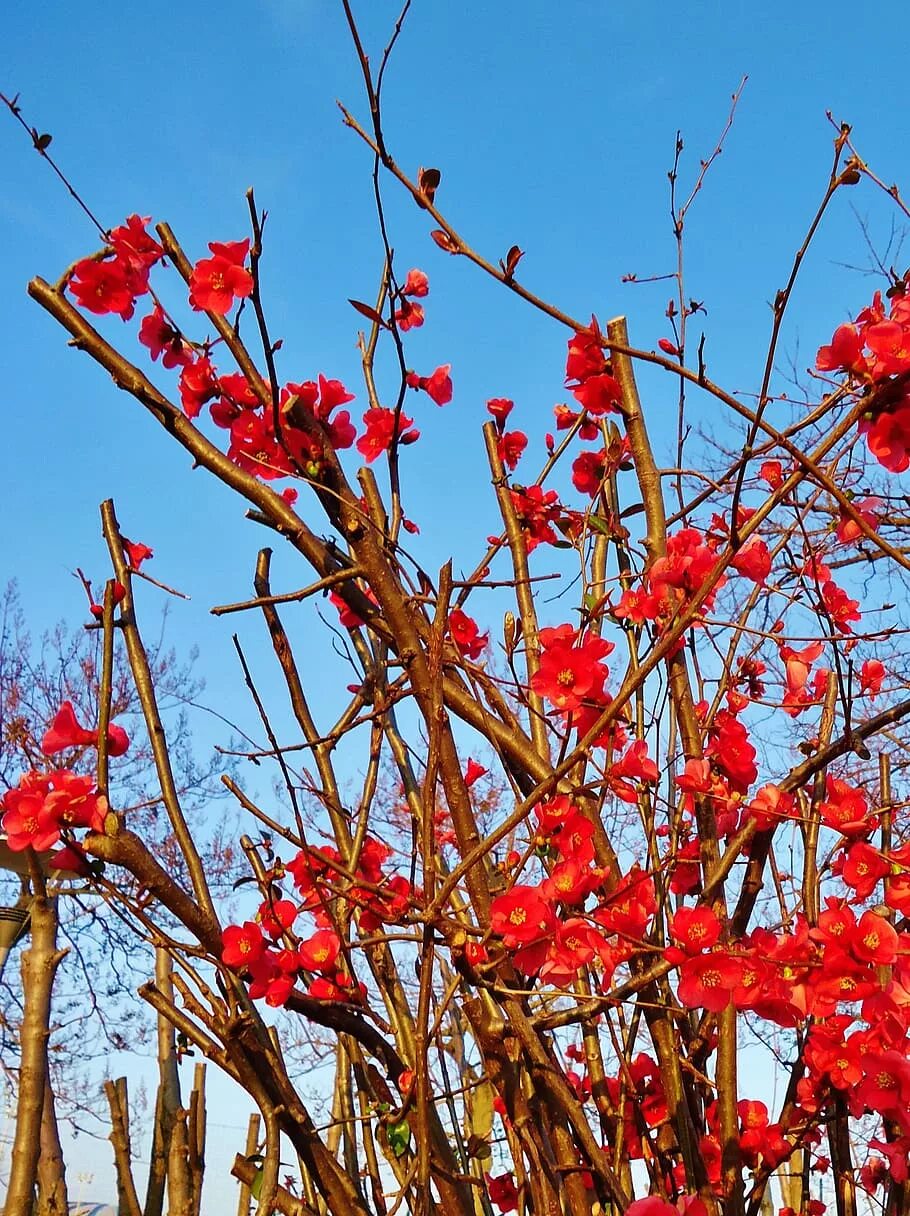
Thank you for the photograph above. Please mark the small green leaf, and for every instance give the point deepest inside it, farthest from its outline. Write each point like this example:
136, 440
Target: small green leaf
399, 1135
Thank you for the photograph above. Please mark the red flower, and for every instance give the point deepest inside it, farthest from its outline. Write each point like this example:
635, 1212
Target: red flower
868, 509
653, 1205
465, 634
438, 386
890, 344
277, 915
871, 677
770, 805
731, 751
635, 765
103, 287
586, 357
845, 808
571, 881
511, 445
319, 952
707, 981
217, 281
875, 940
500, 408
888, 437
753, 560
157, 333
521, 917
71, 860
416, 284
598, 394
503, 1192
136, 553
242, 945
409, 316
696, 929
473, 772
841, 609
536, 510
570, 673
255, 448
29, 823
589, 470
133, 246
861, 868
65, 732
845, 352
772, 472
383, 427
198, 384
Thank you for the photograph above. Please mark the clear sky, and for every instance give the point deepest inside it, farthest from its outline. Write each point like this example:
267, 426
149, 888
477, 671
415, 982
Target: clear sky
554, 127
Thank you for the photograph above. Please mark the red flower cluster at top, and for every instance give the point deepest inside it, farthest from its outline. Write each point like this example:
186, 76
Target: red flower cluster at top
875, 351
112, 281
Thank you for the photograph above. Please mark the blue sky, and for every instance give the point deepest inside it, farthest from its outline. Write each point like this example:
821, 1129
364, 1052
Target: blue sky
553, 126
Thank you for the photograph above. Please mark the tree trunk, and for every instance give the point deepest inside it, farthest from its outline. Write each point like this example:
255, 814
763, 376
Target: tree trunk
39, 964
52, 1197
168, 1100
128, 1200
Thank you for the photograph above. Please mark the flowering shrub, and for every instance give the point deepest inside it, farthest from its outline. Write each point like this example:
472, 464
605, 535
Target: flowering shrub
653, 856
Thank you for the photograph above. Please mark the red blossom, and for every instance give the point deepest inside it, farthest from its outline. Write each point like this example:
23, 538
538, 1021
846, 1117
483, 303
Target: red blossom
772, 472
319, 952
753, 560
198, 384
409, 315
536, 509
570, 670
65, 732
511, 445
706, 981
473, 772
438, 386
888, 437
242, 945
104, 287
466, 635
383, 428
136, 553
521, 916
868, 509
503, 1192
696, 929
500, 408
871, 677
416, 284
845, 352
216, 282
162, 339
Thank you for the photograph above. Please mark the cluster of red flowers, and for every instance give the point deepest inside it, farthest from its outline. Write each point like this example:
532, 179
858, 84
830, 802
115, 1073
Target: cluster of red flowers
670, 581
112, 282
875, 351
274, 958
46, 808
